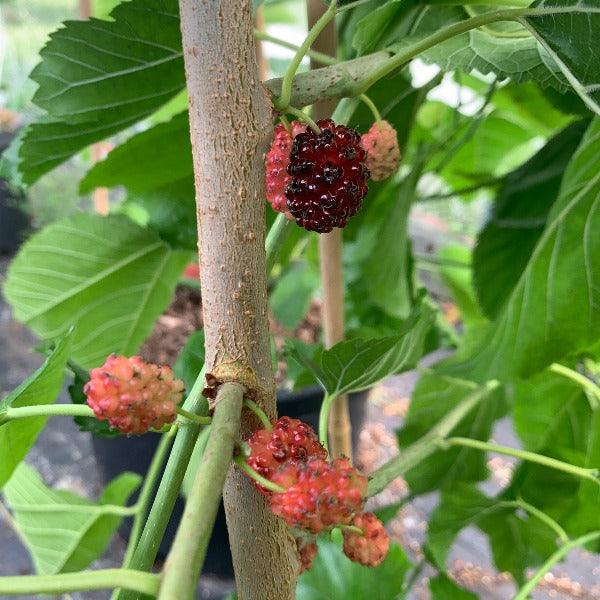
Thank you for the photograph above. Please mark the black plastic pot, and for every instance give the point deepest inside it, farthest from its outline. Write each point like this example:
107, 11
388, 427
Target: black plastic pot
14, 223
118, 454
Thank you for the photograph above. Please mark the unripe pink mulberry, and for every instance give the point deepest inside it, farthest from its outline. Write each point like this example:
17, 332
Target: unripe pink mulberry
319, 495
370, 547
276, 162
383, 152
290, 439
134, 396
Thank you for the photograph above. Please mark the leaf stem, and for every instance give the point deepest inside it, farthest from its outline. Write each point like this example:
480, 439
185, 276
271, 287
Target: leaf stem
275, 239
282, 103
318, 56
46, 410
591, 389
324, 419
303, 117
240, 461
424, 447
372, 107
104, 579
542, 516
546, 461
186, 414
259, 412
523, 593
186, 556
146, 492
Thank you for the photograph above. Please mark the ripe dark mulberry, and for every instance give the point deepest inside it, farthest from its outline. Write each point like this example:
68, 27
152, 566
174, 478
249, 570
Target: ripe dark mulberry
328, 177
276, 162
132, 395
289, 440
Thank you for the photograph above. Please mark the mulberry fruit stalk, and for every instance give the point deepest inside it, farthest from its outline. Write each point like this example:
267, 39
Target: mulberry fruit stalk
383, 152
133, 395
289, 440
328, 177
369, 547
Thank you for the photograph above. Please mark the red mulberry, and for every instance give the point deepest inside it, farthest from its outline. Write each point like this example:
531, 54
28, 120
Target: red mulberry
370, 547
290, 440
319, 495
329, 177
307, 550
134, 396
276, 162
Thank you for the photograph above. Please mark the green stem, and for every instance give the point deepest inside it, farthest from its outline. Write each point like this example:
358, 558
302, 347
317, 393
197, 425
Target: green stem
587, 384
523, 593
168, 489
46, 410
259, 412
302, 116
424, 447
240, 461
491, 182
283, 101
185, 559
324, 420
372, 107
318, 56
275, 239
352, 528
542, 516
146, 492
546, 461
104, 579
186, 414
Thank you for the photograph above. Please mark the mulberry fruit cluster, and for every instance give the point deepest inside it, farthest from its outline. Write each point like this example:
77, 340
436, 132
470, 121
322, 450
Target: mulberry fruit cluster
328, 177
133, 395
276, 163
383, 152
316, 494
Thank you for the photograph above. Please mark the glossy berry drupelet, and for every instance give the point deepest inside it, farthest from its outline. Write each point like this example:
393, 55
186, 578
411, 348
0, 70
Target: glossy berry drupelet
133, 395
329, 177
319, 495
383, 152
370, 547
276, 162
289, 440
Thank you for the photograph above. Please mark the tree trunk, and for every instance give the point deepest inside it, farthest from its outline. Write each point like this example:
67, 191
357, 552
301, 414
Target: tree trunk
330, 250
231, 127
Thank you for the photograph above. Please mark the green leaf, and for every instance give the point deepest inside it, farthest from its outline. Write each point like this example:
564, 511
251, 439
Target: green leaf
99, 77
43, 387
64, 532
291, 296
151, 159
333, 576
358, 364
520, 213
567, 29
536, 326
443, 588
511, 537
105, 275
170, 210
504, 48
190, 360
433, 397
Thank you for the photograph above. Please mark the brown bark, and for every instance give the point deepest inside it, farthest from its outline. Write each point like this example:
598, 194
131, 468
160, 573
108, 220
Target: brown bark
231, 126
330, 250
